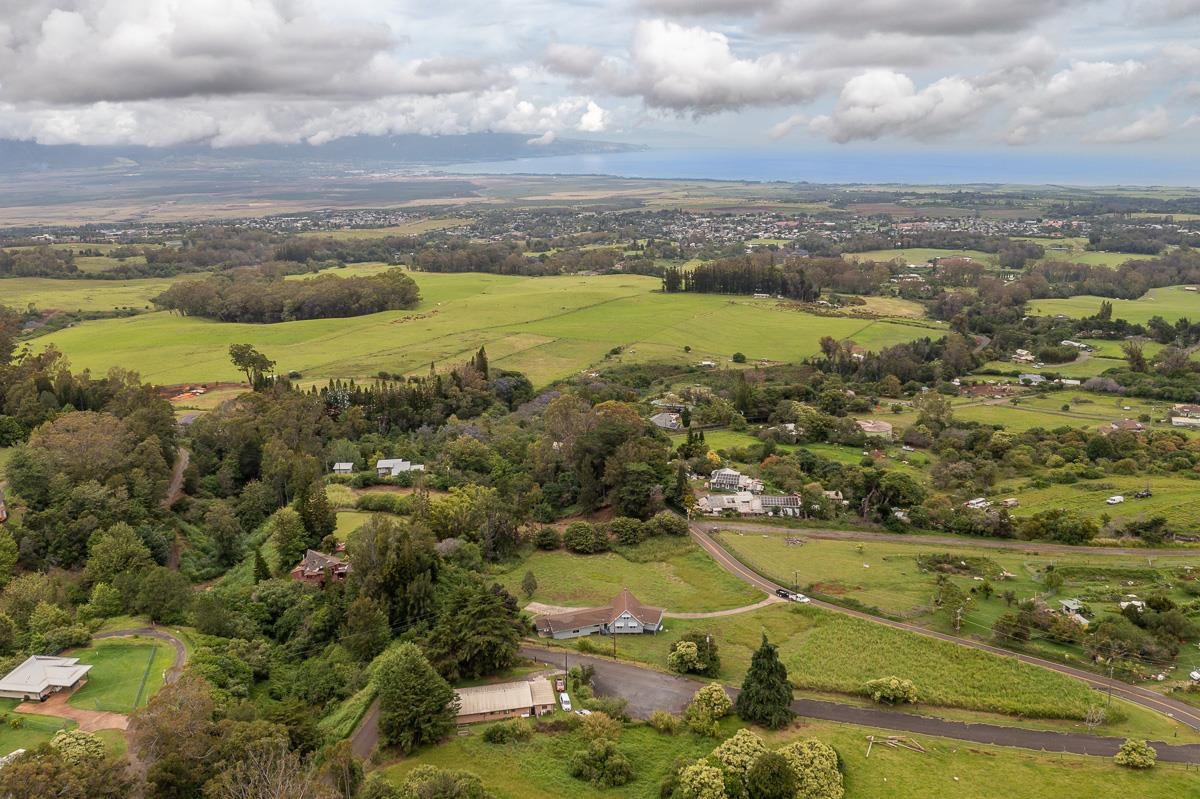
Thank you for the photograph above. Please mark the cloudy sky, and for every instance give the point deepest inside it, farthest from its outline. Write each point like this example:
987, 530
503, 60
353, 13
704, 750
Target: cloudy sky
1054, 75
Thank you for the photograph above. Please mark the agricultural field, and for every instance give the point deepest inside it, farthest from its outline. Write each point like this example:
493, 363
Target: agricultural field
1169, 302
548, 328
885, 574
921, 255
833, 652
1174, 497
126, 673
1085, 410
949, 770
673, 574
48, 294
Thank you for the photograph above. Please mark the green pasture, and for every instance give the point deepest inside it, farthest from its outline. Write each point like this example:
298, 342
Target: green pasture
1174, 497
1169, 302
921, 255
1085, 410
121, 669
96, 264
350, 520
833, 652
48, 294
885, 574
548, 328
675, 575
948, 769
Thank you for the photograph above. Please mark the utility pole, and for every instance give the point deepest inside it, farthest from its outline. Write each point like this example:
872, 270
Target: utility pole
1110, 684
614, 637
795, 579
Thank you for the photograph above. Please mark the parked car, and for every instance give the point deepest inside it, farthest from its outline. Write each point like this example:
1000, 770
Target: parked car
783, 592
560, 684
1145, 493
565, 701
1117, 500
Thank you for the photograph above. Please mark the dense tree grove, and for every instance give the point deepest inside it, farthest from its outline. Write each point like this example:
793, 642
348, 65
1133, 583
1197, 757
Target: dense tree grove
255, 297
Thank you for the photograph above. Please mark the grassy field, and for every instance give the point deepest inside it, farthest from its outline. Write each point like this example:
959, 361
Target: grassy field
826, 651
948, 769
1174, 497
34, 730
672, 574
348, 521
83, 295
920, 255
1169, 302
119, 666
546, 327
1085, 410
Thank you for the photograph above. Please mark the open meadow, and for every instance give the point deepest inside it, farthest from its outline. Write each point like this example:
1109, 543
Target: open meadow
1169, 302
49, 294
548, 327
673, 574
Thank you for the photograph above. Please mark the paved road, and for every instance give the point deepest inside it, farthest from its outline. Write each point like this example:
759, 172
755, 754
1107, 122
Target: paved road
1030, 547
181, 654
1144, 697
648, 690
366, 737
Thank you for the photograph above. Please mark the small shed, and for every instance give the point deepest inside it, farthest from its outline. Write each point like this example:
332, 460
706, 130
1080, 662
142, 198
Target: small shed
1070, 606
343, 468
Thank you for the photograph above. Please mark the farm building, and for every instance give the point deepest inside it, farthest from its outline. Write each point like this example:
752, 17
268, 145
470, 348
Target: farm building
42, 675
733, 480
1186, 410
1031, 379
874, 428
1185, 421
343, 468
1131, 425
315, 565
506, 700
393, 467
624, 615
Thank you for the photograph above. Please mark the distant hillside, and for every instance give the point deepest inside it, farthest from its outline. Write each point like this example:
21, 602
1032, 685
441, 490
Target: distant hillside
21, 156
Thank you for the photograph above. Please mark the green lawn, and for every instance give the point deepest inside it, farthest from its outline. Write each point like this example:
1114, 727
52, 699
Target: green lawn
947, 770
1086, 410
1170, 302
350, 520
673, 574
1174, 496
547, 327
34, 730
119, 666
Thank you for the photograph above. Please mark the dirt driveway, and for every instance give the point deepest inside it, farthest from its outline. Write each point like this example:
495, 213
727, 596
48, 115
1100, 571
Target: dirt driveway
88, 720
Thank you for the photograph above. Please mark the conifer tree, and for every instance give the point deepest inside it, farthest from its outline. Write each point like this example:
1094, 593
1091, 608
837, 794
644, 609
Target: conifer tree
766, 696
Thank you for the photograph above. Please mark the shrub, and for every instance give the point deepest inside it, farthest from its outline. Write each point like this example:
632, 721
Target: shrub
508, 731
666, 523
626, 530
664, 722
739, 357
601, 764
600, 726
547, 538
616, 707
891, 690
736, 755
700, 781
695, 653
76, 746
713, 698
815, 765
771, 777
584, 538
1136, 754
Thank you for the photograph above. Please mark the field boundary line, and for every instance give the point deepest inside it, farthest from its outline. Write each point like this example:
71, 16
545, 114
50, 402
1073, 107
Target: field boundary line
145, 677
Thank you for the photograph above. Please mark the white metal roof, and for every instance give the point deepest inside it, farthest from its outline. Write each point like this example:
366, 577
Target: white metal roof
41, 672
503, 696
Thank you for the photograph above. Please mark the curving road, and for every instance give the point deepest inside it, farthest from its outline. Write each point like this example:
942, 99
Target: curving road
1139, 696
648, 690
1025, 547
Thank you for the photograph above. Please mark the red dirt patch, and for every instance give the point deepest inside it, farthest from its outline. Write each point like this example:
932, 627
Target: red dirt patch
833, 589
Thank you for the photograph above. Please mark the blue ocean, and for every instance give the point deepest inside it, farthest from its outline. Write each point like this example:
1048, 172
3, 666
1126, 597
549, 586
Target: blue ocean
859, 166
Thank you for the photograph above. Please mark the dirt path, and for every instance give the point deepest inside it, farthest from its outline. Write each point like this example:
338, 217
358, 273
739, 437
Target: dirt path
713, 614
1025, 547
175, 489
366, 737
88, 720
1144, 697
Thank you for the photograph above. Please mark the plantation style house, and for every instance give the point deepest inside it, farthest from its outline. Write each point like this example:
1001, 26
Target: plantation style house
625, 614
315, 566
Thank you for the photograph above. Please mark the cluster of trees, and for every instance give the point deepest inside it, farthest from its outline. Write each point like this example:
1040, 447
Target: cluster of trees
251, 296
37, 262
509, 258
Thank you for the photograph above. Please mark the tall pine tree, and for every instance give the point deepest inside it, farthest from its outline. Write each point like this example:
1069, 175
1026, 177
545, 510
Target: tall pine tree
766, 696
416, 706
